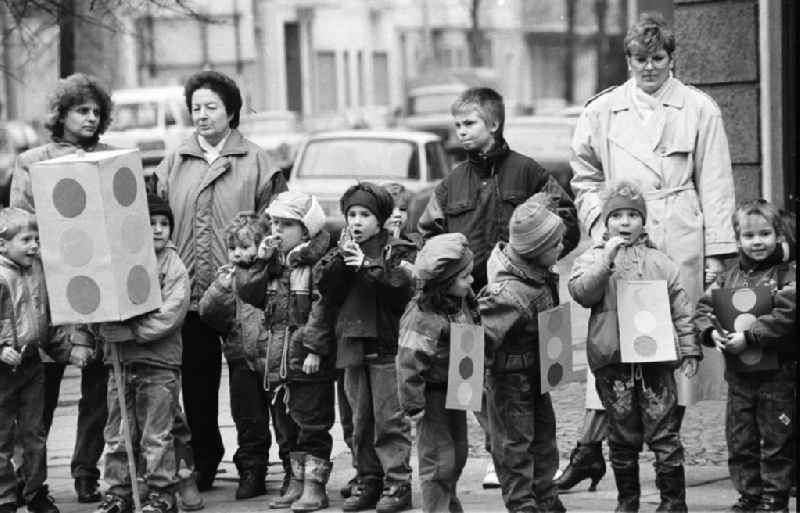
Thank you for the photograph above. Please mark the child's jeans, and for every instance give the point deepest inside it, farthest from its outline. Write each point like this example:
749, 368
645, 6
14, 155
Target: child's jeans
151, 395
311, 407
21, 409
760, 409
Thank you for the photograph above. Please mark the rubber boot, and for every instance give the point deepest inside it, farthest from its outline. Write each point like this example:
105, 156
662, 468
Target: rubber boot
189, 498
297, 464
585, 462
316, 477
672, 485
628, 488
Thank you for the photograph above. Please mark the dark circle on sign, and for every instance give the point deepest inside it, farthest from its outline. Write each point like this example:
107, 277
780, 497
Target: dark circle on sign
467, 341
125, 186
69, 198
466, 367
751, 355
138, 285
554, 323
83, 294
645, 346
554, 374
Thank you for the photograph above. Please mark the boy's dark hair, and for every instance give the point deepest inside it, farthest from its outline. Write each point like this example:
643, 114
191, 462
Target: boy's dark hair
13, 220
246, 228
221, 84
156, 205
652, 33
489, 104
74, 90
758, 207
367, 194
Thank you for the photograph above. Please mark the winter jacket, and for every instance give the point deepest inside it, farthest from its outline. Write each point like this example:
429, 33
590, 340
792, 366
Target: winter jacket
206, 197
240, 324
366, 302
478, 197
283, 290
25, 315
775, 330
156, 336
21, 195
423, 353
593, 284
509, 305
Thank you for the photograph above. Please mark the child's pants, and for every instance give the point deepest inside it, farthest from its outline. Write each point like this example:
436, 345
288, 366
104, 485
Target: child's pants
21, 408
761, 408
311, 407
524, 450
381, 431
151, 395
442, 448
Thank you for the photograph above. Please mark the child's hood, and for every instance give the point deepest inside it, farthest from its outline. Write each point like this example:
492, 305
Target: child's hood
308, 253
502, 265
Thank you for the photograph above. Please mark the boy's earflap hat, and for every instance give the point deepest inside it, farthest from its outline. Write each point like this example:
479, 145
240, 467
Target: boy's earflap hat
301, 207
616, 201
159, 206
373, 197
442, 257
533, 229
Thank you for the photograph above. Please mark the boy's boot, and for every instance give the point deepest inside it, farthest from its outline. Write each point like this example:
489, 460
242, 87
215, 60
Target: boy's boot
745, 504
42, 502
113, 503
346, 490
395, 497
297, 465
314, 496
628, 489
671, 482
773, 503
364, 494
189, 498
160, 501
87, 489
251, 483
585, 462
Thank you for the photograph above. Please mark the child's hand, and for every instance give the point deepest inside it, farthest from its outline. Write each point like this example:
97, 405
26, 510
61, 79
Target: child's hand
268, 247
719, 340
226, 277
689, 366
352, 255
115, 332
311, 363
80, 356
417, 416
736, 343
713, 268
407, 267
611, 249
10, 356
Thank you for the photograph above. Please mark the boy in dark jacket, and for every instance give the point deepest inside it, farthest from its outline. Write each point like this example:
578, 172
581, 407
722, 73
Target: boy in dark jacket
761, 404
520, 416
149, 348
365, 285
444, 267
279, 282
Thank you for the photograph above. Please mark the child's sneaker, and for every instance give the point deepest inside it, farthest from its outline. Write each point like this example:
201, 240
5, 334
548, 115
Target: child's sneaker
42, 502
114, 504
745, 504
160, 502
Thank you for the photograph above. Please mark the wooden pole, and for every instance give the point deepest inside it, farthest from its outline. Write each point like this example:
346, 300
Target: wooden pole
126, 432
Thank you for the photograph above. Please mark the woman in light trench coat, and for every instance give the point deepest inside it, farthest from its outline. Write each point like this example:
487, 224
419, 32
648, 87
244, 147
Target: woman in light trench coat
669, 138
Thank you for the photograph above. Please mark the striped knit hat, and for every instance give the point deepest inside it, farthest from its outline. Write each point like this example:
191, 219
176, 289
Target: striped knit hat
533, 229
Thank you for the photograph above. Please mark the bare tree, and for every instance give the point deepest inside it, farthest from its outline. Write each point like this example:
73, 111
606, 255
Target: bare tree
475, 37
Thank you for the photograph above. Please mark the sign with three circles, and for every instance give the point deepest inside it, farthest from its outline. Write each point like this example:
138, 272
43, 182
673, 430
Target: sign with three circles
465, 374
96, 240
737, 309
646, 333
555, 347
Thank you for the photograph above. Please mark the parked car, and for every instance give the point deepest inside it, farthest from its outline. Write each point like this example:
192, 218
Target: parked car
15, 137
277, 131
328, 163
153, 119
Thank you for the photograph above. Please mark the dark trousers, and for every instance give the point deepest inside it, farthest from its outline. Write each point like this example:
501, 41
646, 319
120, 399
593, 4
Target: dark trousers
759, 430
442, 448
311, 409
21, 410
345, 415
92, 414
250, 408
200, 374
524, 450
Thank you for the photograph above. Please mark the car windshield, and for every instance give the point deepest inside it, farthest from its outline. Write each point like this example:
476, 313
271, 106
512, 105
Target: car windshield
130, 116
359, 158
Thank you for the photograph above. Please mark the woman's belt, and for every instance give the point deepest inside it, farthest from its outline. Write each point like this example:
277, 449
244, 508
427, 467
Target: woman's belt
658, 194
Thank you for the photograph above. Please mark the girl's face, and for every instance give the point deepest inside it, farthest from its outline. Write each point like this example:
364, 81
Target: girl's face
209, 115
291, 233
473, 132
757, 237
462, 284
81, 121
161, 231
362, 223
242, 252
626, 223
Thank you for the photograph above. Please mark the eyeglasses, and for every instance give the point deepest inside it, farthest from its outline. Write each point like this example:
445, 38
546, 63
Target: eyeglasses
658, 60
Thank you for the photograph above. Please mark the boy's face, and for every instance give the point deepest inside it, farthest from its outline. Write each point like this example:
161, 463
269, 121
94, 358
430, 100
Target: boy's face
82, 121
462, 285
626, 223
23, 248
242, 254
161, 231
290, 231
362, 223
757, 237
473, 132
398, 219
550, 257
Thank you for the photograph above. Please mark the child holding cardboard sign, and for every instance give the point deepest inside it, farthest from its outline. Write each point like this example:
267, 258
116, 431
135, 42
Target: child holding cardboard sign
640, 398
760, 402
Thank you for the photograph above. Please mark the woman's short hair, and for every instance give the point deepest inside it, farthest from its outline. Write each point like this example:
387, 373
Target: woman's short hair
74, 90
488, 103
652, 33
222, 85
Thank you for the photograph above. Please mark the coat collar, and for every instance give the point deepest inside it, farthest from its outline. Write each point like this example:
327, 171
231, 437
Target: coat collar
508, 264
674, 95
235, 145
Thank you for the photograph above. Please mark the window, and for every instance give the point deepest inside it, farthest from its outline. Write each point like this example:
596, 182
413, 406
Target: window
326, 90
380, 78
347, 86
360, 158
434, 154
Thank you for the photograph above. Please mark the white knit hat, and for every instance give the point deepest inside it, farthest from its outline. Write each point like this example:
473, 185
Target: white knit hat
302, 207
